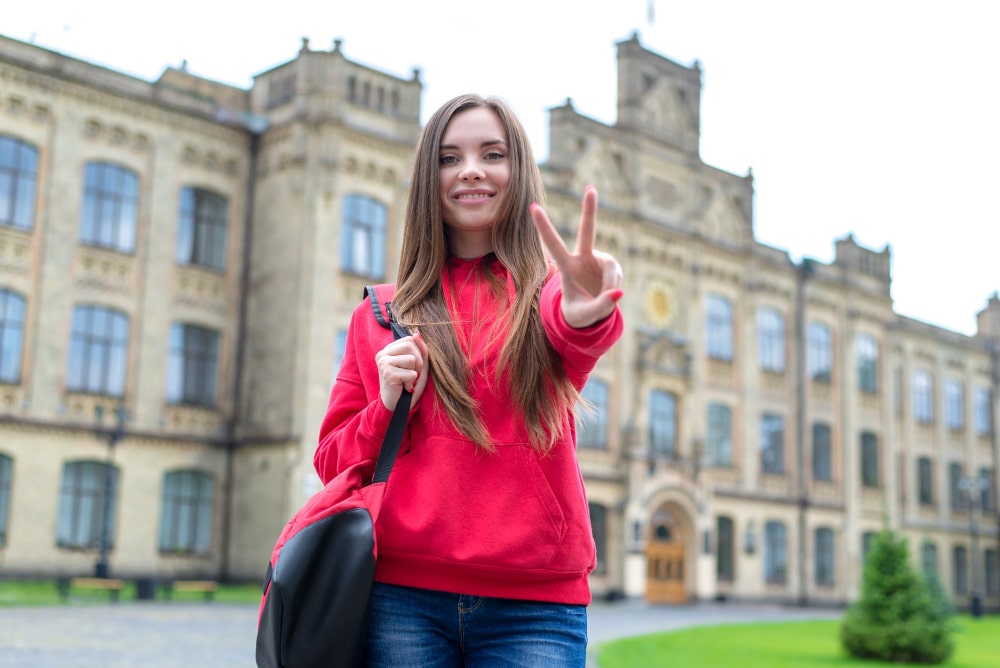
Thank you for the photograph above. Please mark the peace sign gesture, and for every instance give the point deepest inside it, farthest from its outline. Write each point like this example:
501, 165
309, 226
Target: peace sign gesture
591, 280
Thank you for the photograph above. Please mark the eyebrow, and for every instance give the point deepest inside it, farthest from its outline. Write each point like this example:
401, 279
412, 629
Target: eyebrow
485, 144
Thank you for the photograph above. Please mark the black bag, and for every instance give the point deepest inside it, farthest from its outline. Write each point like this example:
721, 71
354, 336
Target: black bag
314, 608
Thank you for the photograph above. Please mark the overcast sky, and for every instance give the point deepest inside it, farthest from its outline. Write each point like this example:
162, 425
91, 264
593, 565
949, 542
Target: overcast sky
879, 118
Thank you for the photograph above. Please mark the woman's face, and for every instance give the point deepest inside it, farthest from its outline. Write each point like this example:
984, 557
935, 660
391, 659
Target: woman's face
474, 164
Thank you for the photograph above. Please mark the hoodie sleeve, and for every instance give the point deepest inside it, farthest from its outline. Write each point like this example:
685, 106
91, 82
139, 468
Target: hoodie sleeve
580, 349
356, 419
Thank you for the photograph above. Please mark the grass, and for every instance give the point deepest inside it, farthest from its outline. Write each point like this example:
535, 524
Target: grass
812, 644
45, 592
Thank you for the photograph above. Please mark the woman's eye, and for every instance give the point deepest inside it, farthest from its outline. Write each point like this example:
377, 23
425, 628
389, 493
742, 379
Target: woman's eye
495, 155
448, 159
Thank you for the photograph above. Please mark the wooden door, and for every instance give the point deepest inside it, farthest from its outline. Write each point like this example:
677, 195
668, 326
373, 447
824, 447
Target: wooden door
665, 574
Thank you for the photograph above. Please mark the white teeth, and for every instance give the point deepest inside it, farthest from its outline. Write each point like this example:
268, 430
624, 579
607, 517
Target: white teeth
473, 196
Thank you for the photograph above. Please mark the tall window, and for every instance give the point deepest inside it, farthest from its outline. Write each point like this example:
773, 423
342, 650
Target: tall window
725, 549
339, 348
11, 336
98, 351
201, 232
954, 404
193, 366
869, 459
987, 499
925, 481
866, 358
824, 557
822, 457
867, 538
955, 493
6, 477
592, 415
819, 352
983, 411
82, 494
719, 328
771, 340
18, 182
362, 244
110, 207
960, 567
775, 553
720, 435
663, 422
992, 572
599, 525
772, 443
923, 396
929, 560
186, 518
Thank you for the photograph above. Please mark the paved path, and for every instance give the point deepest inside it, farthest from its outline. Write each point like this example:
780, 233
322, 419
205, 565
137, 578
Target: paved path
176, 634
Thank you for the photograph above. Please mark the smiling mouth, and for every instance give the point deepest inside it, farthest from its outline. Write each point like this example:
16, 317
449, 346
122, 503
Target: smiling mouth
468, 196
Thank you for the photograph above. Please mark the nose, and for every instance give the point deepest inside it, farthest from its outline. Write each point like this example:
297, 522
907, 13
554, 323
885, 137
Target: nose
471, 171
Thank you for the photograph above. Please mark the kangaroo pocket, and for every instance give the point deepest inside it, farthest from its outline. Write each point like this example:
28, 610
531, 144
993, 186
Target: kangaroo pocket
446, 501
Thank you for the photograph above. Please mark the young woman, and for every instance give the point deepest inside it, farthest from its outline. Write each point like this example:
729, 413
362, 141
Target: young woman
484, 540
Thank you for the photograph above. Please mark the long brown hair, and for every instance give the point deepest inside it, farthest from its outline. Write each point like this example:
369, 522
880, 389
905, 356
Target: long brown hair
541, 390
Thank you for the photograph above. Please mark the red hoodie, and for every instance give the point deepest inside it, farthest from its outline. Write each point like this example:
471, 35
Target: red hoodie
510, 524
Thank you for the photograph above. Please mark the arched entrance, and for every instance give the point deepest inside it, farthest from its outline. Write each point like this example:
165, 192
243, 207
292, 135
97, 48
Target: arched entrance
665, 559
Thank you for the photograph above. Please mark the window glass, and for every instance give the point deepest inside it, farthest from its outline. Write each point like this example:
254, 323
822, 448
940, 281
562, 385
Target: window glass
193, 365
110, 207
820, 352
186, 518
18, 183
772, 443
720, 435
12, 308
771, 340
201, 232
719, 328
82, 492
98, 352
662, 422
592, 415
362, 248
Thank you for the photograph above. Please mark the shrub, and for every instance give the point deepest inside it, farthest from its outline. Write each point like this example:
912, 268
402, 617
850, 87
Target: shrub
897, 618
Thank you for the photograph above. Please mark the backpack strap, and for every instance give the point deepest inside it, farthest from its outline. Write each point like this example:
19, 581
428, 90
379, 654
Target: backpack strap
397, 424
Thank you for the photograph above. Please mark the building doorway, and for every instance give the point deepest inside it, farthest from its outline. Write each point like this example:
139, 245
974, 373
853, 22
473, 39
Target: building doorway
665, 562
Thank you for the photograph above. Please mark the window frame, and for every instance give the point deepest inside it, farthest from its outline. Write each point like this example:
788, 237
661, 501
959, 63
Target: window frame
19, 178
822, 452
202, 357
775, 553
719, 434
202, 228
592, 414
6, 483
662, 422
109, 215
819, 351
922, 394
365, 221
99, 356
925, 481
772, 439
83, 491
12, 335
871, 474
771, 339
725, 549
866, 355
187, 511
719, 341
824, 543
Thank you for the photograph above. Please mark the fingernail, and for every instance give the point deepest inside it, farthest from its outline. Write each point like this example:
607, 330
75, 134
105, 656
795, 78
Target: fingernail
590, 186
616, 295
418, 335
532, 206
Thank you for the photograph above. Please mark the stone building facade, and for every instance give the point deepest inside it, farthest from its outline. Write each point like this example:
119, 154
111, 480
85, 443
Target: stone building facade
179, 260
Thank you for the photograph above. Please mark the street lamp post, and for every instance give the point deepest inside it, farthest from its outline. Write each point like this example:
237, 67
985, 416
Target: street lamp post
113, 435
973, 487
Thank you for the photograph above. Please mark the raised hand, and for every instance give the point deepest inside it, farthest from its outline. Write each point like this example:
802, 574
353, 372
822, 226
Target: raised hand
591, 280
402, 364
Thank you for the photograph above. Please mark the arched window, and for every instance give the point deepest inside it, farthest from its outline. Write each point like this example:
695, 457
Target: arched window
85, 487
824, 557
187, 512
662, 422
775, 553
771, 340
599, 524
193, 365
12, 308
202, 228
6, 478
362, 244
110, 207
719, 435
98, 351
719, 328
18, 183
592, 415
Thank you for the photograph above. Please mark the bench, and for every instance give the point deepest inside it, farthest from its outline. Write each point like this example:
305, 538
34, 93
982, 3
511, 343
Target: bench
206, 587
113, 586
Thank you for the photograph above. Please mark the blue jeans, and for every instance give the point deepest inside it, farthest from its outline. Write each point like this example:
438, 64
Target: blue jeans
420, 628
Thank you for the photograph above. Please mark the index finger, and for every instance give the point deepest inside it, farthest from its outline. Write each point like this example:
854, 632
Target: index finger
588, 222
550, 237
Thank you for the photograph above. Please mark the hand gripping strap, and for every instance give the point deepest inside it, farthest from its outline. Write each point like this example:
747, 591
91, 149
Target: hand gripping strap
397, 425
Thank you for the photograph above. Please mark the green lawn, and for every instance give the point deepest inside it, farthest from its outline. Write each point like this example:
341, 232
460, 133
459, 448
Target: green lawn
810, 644
45, 592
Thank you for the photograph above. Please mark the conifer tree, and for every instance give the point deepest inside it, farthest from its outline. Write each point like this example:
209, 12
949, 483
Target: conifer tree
897, 618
